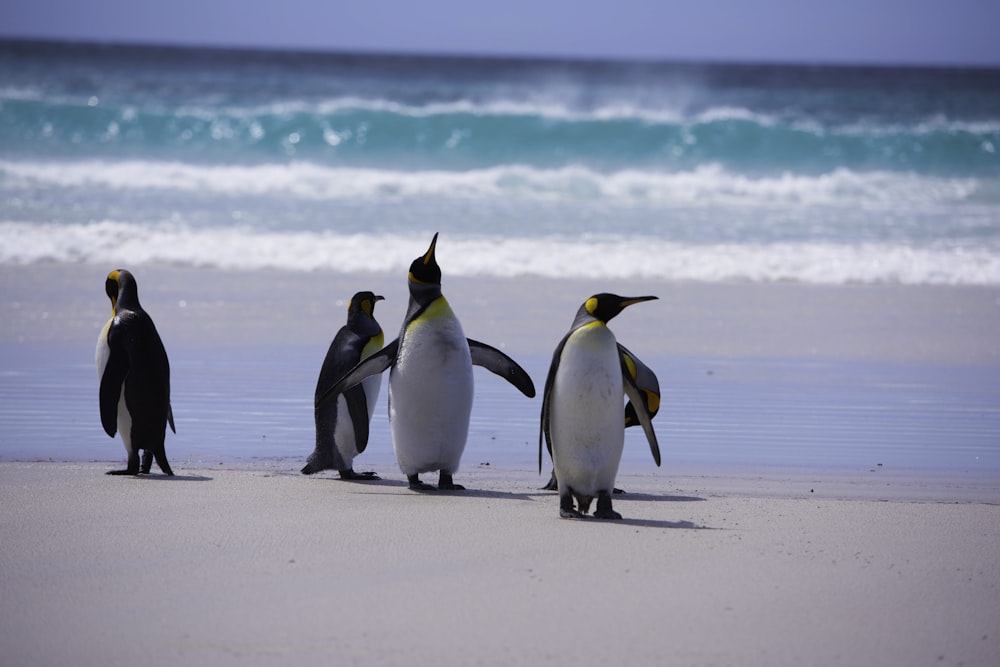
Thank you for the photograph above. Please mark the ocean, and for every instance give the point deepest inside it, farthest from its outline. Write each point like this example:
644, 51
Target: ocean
117, 155
159, 159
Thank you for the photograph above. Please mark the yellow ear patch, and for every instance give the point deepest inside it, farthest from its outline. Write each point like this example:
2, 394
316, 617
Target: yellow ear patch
591, 305
366, 306
114, 275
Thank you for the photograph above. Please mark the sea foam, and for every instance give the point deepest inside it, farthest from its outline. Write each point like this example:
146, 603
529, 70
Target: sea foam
709, 183
607, 256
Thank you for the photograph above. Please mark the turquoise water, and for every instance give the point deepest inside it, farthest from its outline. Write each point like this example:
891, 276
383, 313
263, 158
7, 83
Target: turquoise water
673, 171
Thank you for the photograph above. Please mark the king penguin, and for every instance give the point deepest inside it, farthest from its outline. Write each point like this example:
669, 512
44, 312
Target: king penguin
430, 379
582, 422
649, 389
135, 378
342, 425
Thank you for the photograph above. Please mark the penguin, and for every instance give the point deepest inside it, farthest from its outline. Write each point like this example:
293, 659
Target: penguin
649, 387
430, 379
582, 422
135, 378
342, 425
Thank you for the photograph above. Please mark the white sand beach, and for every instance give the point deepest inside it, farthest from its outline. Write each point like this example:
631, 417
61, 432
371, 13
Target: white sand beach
241, 560
258, 567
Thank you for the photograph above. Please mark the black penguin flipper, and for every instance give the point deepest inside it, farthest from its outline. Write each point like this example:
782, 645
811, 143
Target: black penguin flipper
635, 395
357, 408
111, 383
367, 367
170, 420
499, 363
647, 382
543, 425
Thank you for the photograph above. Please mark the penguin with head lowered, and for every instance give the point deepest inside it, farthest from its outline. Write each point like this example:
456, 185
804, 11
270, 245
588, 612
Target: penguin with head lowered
581, 419
430, 379
135, 378
342, 425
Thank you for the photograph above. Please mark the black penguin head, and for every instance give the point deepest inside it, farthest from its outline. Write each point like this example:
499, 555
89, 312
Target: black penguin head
604, 306
424, 270
361, 314
121, 289
425, 277
364, 302
111, 289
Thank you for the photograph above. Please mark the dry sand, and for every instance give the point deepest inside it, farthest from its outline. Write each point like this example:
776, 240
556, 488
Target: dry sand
256, 567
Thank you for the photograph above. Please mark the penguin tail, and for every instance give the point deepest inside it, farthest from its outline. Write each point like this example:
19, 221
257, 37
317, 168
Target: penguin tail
161, 460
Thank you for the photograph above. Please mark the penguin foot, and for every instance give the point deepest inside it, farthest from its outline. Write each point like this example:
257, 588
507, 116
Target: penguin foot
445, 483
604, 510
618, 491
122, 472
417, 485
567, 510
350, 475
318, 461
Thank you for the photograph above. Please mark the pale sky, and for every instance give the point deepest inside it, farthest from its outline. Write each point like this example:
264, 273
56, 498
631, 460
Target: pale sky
936, 32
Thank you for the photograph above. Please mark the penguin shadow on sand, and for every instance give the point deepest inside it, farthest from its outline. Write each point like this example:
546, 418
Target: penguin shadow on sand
656, 523
175, 477
628, 496
369, 488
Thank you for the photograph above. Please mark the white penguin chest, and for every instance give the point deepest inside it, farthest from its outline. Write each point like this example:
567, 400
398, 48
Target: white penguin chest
433, 355
430, 392
103, 351
344, 433
587, 401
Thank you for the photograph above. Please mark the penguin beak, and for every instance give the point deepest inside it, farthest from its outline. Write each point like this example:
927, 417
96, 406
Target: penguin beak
379, 297
429, 255
632, 300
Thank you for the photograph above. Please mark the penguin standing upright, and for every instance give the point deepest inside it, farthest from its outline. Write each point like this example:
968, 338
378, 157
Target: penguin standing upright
581, 420
649, 388
135, 378
342, 425
430, 381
